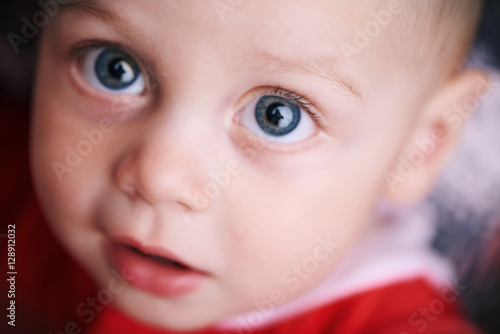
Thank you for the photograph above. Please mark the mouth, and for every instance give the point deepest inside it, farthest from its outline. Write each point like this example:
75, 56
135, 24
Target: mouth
154, 270
159, 259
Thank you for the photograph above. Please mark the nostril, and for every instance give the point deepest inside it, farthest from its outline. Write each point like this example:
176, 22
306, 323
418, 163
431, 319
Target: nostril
184, 207
125, 183
124, 177
127, 188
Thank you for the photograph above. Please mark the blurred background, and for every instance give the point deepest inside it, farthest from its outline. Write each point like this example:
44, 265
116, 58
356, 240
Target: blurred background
466, 200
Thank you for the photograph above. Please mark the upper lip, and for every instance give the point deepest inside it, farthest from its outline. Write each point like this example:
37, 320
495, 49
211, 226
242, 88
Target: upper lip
155, 251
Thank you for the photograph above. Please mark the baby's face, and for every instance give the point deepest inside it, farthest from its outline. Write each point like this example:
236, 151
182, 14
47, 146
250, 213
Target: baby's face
234, 137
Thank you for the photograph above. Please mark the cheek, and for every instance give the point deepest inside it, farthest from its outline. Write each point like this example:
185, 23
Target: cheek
67, 198
58, 161
281, 217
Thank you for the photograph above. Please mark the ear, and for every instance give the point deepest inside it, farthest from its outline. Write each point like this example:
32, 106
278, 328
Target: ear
436, 134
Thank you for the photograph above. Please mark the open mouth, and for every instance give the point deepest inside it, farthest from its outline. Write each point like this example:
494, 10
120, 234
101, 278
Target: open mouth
159, 259
153, 269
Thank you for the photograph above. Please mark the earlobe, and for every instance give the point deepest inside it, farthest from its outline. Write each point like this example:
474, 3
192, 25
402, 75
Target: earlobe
435, 136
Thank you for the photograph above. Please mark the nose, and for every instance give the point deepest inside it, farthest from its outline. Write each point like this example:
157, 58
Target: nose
166, 164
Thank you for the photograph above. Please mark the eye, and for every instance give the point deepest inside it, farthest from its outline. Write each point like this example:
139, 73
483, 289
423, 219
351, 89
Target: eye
112, 71
277, 119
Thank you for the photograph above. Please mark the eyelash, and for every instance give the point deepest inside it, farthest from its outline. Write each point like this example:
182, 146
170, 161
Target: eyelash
79, 48
299, 99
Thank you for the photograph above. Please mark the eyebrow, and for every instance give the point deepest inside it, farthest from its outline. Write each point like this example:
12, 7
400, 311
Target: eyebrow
323, 67
99, 10
102, 12
92, 7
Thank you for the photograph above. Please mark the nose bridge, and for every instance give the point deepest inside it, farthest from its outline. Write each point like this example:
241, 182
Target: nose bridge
170, 160
180, 139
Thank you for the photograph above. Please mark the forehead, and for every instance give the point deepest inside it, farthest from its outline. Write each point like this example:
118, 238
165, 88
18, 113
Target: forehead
277, 26
256, 15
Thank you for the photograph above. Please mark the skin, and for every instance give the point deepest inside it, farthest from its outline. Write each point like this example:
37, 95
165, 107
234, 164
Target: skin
141, 179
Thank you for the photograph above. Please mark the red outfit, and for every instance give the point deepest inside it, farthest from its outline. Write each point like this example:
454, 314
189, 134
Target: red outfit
50, 286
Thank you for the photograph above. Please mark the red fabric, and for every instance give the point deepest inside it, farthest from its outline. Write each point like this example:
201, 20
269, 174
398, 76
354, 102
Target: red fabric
50, 285
381, 311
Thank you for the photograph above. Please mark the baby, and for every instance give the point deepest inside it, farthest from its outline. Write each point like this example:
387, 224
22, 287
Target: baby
236, 166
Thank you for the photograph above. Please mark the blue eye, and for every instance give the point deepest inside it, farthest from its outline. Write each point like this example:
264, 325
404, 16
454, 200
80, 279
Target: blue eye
277, 119
113, 71
277, 116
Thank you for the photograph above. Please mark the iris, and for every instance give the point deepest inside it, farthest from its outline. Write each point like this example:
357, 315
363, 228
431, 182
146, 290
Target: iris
276, 115
116, 70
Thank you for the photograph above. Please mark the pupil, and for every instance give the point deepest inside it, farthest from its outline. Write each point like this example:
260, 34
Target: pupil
273, 113
116, 68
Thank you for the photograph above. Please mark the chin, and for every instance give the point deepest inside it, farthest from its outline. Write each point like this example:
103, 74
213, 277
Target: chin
158, 314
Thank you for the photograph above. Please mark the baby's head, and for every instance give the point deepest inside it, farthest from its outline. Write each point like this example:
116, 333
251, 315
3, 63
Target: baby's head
252, 141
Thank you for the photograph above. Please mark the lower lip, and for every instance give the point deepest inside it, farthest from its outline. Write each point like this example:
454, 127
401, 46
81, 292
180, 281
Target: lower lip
153, 277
